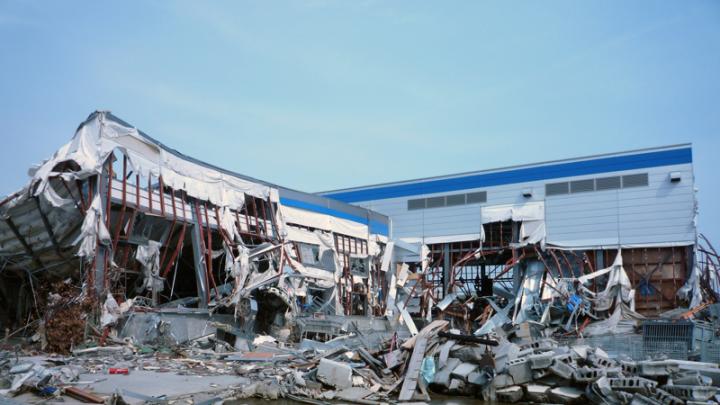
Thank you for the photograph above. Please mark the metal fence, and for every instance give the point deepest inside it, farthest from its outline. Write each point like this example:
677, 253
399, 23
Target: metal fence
710, 352
694, 334
638, 347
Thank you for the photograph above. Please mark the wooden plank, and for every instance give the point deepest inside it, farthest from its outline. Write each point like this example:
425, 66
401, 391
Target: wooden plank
413, 371
84, 396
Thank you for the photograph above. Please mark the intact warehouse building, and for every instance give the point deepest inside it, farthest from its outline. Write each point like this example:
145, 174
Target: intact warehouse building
581, 210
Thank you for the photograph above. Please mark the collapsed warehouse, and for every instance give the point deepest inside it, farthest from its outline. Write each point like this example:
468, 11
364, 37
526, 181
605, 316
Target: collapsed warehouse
125, 221
120, 245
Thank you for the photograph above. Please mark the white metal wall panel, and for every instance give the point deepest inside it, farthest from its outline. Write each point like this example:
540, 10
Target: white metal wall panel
661, 213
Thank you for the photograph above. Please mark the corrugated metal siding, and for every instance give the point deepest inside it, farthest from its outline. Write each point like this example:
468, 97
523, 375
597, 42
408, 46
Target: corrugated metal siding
660, 213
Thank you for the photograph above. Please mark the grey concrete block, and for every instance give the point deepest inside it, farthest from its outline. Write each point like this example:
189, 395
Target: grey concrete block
520, 370
335, 374
566, 395
442, 376
537, 392
481, 377
691, 392
541, 360
665, 397
562, 369
502, 380
510, 394
639, 399
463, 370
586, 374
632, 384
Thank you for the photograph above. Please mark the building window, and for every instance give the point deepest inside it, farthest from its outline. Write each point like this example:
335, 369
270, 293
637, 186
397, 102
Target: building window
581, 186
455, 199
556, 188
447, 200
478, 197
435, 202
607, 183
635, 180
417, 204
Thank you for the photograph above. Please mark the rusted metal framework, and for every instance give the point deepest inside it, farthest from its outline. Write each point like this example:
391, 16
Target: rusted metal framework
139, 209
353, 288
130, 219
474, 269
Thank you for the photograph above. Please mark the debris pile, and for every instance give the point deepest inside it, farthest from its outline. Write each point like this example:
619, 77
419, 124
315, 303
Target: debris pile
507, 366
65, 311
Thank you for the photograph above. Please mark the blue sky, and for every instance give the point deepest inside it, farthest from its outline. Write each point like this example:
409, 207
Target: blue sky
318, 95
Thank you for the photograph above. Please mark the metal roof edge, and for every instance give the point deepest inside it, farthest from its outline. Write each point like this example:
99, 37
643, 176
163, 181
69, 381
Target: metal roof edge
305, 196
505, 168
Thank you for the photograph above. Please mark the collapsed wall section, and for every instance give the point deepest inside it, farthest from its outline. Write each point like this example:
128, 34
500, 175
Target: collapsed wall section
130, 223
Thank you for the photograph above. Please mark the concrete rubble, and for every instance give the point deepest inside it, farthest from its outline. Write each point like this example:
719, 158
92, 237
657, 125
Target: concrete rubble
536, 370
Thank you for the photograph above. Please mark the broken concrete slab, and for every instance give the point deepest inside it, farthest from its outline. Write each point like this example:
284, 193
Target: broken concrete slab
562, 369
541, 360
463, 370
537, 392
691, 378
566, 395
665, 397
334, 374
587, 374
442, 376
502, 381
691, 392
633, 384
639, 399
353, 394
510, 394
520, 370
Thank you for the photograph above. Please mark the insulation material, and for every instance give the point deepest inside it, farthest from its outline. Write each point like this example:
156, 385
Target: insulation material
98, 137
532, 232
310, 219
238, 267
112, 311
530, 215
529, 295
425, 256
691, 290
229, 225
534, 211
149, 257
374, 247
302, 235
606, 325
315, 273
617, 286
93, 230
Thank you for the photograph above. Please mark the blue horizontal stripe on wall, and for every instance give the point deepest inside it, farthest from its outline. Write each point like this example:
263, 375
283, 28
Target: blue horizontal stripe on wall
378, 228
552, 171
375, 226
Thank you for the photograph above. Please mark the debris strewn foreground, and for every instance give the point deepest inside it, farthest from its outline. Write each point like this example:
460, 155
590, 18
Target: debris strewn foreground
365, 368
